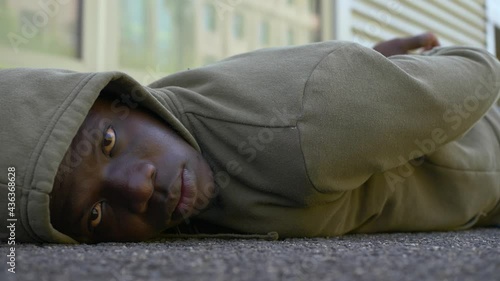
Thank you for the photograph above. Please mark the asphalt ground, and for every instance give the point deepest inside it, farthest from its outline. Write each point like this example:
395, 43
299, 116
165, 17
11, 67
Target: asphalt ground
465, 255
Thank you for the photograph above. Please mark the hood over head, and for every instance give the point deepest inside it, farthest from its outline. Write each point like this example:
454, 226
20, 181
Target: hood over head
41, 111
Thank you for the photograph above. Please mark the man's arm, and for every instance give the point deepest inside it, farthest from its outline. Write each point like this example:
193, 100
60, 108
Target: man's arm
375, 113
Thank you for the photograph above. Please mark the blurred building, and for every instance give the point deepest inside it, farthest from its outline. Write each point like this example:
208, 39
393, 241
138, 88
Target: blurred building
190, 33
222, 29
152, 38
47, 28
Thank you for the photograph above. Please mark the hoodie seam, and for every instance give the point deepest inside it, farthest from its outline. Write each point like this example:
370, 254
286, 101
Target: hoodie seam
306, 84
183, 115
200, 116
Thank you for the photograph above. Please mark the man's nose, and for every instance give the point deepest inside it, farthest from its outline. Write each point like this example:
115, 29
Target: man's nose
131, 183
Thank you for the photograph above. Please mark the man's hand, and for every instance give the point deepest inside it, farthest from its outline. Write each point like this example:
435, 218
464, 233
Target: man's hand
401, 46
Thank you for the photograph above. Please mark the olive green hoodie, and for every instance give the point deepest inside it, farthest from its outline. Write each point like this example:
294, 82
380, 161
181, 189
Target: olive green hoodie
315, 140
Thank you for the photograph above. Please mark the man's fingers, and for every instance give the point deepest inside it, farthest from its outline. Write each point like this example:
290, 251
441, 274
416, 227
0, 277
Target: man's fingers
400, 46
426, 40
429, 41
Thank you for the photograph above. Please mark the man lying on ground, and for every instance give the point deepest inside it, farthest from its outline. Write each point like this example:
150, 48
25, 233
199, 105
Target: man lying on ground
316, 140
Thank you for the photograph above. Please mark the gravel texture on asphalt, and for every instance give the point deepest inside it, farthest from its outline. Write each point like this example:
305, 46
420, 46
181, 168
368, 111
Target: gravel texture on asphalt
465, 255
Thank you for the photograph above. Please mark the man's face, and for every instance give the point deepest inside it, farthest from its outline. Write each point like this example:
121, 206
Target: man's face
127, 178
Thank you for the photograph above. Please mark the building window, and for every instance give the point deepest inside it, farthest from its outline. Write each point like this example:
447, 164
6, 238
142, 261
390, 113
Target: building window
264, 33
209, 17
156, 34
134, 34
238, 26
56, 30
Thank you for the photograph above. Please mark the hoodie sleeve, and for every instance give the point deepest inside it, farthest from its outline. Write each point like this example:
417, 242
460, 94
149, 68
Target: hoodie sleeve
365, 114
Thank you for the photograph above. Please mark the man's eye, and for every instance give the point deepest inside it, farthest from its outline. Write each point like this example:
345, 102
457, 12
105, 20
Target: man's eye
96, 215
108, 141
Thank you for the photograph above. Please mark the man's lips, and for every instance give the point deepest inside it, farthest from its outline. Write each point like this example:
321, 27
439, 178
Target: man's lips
179, 199
166, 198
187, 195
183, 191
